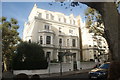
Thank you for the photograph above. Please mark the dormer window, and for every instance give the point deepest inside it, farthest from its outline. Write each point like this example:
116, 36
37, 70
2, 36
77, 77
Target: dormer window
52, 17
59, 19
47, 16
39, 15
64, 20
73, 22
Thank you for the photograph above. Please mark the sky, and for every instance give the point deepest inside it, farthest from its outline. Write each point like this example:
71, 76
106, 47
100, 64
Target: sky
21, 10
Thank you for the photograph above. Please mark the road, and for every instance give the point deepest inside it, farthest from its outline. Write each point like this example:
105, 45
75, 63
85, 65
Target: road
81, 76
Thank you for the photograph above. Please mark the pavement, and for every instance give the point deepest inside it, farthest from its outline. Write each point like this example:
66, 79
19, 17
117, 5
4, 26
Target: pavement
86, 67
65, 73
9, 74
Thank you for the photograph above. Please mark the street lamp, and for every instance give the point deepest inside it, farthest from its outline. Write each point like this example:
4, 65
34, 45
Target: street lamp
48, 60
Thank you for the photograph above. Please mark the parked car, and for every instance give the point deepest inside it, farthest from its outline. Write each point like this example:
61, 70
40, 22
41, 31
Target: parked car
100, 73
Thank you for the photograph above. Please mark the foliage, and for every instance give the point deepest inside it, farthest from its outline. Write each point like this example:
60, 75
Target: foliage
10, 39
29, 56
94, 22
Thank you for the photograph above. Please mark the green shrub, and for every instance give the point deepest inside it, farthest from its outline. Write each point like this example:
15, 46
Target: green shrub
29, 56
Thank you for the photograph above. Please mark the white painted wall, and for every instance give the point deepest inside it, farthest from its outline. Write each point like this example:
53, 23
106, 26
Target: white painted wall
34, 28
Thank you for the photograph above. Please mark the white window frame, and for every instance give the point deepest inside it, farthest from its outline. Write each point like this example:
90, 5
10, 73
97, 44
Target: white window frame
47, 16
68, 41
39, 15
71, 31
47, 27
41, 38
74, 43
47, 40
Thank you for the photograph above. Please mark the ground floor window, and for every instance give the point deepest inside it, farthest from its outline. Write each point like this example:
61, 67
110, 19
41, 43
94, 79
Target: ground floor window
73, 42
48, 55
60, 57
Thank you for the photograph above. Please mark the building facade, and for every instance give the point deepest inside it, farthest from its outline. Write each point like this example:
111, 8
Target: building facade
93, 46
59, 34
55, 32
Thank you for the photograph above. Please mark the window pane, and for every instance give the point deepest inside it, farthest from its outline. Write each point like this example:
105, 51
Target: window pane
59, 29
41, 40
48, 55
64, 20
67, 42
71, 31
59, 19
47, 16
48, 39
39, 15
60, 41
46, 27
74, 22
73, 42
52, 17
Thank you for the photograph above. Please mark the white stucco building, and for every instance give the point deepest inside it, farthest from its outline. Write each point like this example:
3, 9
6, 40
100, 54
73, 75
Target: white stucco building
93, 45
55, 32
58, 34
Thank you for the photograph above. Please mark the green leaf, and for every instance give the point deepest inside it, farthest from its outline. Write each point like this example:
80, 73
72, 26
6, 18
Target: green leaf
13, 21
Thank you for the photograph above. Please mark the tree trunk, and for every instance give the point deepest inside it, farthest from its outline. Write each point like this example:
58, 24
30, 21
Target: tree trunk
111, 19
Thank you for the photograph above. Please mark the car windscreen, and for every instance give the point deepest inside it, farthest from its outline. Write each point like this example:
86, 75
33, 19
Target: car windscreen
105, 66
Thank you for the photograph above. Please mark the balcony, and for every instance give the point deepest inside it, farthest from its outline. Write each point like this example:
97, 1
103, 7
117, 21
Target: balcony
47, 31
67, 47
48, 45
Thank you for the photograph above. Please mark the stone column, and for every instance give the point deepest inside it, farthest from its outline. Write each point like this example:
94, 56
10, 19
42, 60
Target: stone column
44, 39
78, 60
51, 40
72, 63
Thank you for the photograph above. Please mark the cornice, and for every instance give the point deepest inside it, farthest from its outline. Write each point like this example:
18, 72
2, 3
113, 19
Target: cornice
61, 23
